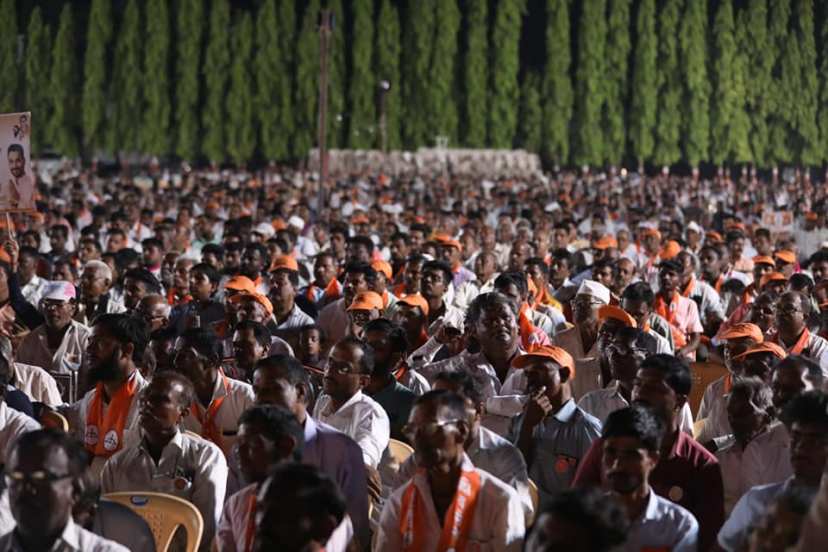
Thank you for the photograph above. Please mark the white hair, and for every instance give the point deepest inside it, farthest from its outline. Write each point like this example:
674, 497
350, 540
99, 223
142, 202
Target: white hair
100, 266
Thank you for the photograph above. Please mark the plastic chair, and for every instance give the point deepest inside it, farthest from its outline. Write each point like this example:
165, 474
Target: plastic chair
399, 451
535, 496
54, 420
703, 374
164, 514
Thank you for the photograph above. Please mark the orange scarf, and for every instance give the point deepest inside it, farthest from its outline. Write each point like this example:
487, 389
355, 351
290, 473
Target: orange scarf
104, 433
385, 299
209, 428
333, 290
527, 328
691, 285
668, 312
719, 283
174, 299
456, 524
399, 290
801, 343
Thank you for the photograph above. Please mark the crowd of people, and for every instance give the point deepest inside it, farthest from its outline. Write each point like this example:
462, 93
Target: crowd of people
596, 362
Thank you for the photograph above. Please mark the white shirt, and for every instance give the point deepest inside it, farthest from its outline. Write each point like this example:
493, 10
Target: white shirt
238, 397
603, 402
73, 539
663, 526
295, 319
69, 355
37, 383
713, 410
747, 512
362, 419
13, 424
497, 525
817, 349
190, 468
766, 459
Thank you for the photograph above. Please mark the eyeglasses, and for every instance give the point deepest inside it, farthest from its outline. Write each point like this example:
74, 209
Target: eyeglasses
767, 311
35, 479
788, 310
341, 369
586, 301
426, 430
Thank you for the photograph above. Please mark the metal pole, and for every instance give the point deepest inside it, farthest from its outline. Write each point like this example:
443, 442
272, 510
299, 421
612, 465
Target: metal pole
384, 88
324, 36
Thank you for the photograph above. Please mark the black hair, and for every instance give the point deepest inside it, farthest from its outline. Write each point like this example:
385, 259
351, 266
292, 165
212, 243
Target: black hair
362, 240
506, 279
16, 147
812, 369
638, 292
420, 227
710, 248
204, 341
126, 328
394, 332
675, 370
672, 266
260, 331
801, 282
810, 407
466, 385
639, 339
317, 327
365, 269
756, 391
126, 257
638, 422
26, 251
213, 248
154, 242
293, 276
262, 249
443, 267
486, 301
339, 228
276, 422
762, 232
323, 254
307, 487
209, 271
821, 256
406, 238
366, 363
442, 398
62, 228
187, 395
562, 254
804, 300
600, 516
295, 373
78, 458
733, 235
145, 276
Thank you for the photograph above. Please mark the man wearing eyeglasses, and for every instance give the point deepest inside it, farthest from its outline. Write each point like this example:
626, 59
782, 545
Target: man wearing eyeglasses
60, 338
792, 312
448, 501
42, 476
345, 407
168, 460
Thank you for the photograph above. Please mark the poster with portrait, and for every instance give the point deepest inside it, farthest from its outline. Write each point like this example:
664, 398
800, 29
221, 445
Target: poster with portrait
17, 182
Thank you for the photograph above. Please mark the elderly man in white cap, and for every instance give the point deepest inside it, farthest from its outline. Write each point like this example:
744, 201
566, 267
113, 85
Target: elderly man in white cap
581, 341
58, 345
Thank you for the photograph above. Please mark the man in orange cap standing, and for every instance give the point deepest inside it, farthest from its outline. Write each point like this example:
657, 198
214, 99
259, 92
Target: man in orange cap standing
555, 433
713, 410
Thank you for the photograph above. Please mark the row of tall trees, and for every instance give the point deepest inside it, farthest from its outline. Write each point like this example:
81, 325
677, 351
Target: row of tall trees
658, 81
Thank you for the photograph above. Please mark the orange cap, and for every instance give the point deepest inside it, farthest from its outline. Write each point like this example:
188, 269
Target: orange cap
670, 250
713, 237
360, 218
241, 283
772, 277
651, 232
608, 312
258, 297
557, 354
786, 256
278, 224
415, 300
810, 215
446, 240
743, 329
284, 262
763, 259
605, 242
384, 267
764, 347
366, 300
736, 226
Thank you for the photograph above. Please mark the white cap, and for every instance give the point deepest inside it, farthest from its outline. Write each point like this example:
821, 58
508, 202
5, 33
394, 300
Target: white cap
596, 290
59, 290
265, 229
694, 227
296, 222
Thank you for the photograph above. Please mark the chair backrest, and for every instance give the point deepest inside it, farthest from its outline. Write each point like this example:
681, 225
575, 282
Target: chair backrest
54, 420
399, 451
535, 496
703, 374
164, 514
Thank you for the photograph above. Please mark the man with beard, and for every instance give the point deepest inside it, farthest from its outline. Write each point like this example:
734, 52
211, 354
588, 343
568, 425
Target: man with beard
282, 381
333, 319
169, 460
59, 344
345, 407
555, 433
686, 472
631, 443
108, 414
792, 312
623, 274
95, 299
43, 474
680, 312
793, 376
21, 187
389, 345
448, 500
155, 311
138, 283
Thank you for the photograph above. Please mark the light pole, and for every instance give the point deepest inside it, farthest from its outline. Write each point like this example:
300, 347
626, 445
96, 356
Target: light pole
325, 27
384, 88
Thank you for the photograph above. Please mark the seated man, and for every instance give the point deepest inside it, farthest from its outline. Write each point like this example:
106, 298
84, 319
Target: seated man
95, 298
554, 432
251, 343
366, 306
42, 475
169, 460
757, 451
34, 381
793, 376
793, 335
288, 318
631, 442
13, 424
806, 417
281, 380
448, 500
345, 407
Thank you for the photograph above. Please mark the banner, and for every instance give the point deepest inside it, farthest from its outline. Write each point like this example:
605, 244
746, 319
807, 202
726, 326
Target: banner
17, 183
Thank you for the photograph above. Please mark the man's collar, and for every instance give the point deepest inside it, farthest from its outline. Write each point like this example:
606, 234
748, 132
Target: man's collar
566, 411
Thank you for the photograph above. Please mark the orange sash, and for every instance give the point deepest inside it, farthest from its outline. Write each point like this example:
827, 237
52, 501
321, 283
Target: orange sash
209, 428
385, 299
800, 344
250, 528
399, 290
173, 294
104, 434
528, 336
691, 285
456, 524
333, 290
719, 283
668, 312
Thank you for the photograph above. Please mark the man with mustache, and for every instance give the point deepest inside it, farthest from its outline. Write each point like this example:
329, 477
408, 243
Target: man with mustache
168, 460
792, 312
631, 446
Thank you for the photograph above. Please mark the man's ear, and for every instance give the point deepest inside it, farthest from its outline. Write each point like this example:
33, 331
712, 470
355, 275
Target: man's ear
564, 373
128, 349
